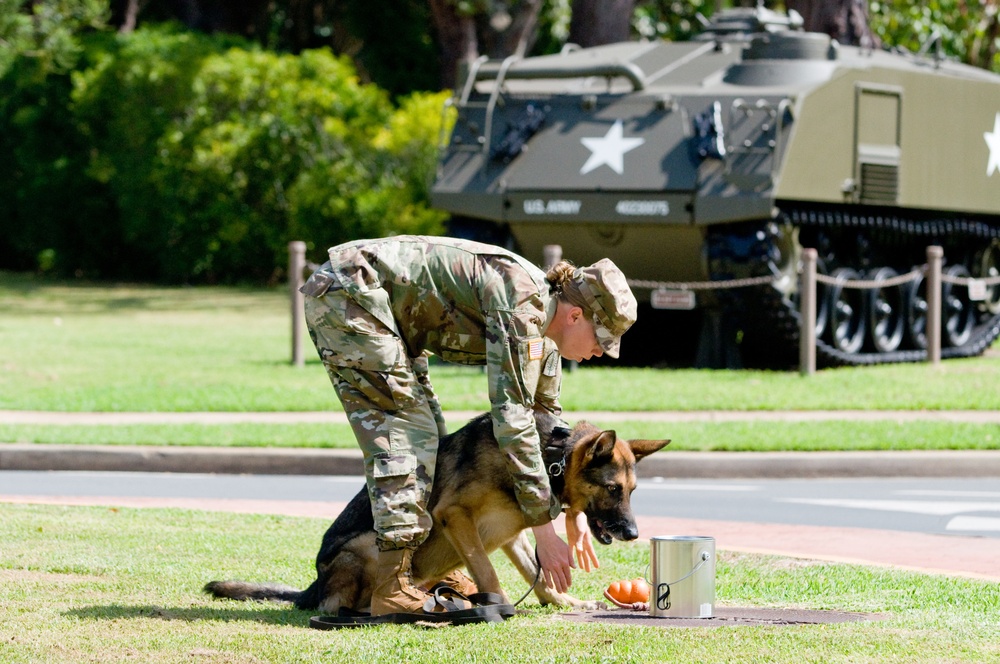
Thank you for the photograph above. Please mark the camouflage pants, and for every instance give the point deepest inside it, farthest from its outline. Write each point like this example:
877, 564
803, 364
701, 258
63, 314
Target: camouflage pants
392, 408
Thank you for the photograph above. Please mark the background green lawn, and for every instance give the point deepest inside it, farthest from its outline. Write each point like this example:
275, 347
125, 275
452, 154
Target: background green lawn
85, 347
113, 585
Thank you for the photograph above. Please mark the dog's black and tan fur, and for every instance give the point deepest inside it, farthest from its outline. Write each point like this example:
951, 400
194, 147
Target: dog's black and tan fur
475, 512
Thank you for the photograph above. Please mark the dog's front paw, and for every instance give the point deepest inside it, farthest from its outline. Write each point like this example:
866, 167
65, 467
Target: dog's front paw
595, 605
568, 601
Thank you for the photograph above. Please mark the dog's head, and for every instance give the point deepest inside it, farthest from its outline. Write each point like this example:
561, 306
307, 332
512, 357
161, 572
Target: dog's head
600, 479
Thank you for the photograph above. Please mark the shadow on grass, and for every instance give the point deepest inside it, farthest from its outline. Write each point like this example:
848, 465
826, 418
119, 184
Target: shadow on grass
277, 615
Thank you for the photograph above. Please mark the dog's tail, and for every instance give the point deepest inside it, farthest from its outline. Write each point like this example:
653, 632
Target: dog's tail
243, 590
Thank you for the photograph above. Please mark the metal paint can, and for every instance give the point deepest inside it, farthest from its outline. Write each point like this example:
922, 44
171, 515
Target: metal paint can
683, 582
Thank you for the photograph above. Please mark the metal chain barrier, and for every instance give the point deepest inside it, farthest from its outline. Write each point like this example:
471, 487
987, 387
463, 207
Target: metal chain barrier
822, 278
704, 285
872, 283
965, 281
810, 278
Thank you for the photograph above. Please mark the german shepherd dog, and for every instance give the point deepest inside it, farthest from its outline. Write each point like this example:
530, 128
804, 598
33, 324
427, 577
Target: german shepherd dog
475, 512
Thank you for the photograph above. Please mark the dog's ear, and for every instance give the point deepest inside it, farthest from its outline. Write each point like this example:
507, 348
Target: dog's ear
643, 448
552, 430
601, 446
561, 434
557, 438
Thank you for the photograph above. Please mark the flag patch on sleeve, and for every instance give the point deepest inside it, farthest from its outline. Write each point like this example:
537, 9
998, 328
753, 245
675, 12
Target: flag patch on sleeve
534, 349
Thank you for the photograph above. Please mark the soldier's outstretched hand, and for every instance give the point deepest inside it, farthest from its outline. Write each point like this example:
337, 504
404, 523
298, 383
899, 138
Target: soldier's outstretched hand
555, 557
578, 536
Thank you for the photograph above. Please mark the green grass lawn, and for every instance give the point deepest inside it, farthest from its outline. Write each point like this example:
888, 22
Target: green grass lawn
691, 436
86, 347
84, 584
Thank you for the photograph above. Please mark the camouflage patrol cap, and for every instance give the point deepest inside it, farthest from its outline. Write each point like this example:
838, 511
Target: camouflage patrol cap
610, 300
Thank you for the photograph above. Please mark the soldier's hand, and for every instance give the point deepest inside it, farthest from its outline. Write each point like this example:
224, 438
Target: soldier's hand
555, 557
578, 535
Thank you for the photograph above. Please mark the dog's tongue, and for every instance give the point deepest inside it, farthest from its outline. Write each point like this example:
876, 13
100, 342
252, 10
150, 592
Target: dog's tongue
600, 532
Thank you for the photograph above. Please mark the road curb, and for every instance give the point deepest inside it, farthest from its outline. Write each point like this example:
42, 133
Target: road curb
667, 464
243, 460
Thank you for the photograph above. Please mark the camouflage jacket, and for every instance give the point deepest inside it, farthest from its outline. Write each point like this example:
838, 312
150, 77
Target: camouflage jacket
470, 303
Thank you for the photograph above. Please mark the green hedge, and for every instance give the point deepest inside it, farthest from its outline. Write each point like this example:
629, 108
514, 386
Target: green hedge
166, 155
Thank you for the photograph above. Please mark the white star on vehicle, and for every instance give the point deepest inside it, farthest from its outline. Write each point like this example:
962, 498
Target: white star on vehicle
993, 141
611, 149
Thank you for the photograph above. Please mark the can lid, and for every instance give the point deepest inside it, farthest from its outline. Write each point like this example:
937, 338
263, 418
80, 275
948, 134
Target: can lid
681, 538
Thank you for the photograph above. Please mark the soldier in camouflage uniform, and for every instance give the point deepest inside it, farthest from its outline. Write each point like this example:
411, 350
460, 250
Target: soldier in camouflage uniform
375, 311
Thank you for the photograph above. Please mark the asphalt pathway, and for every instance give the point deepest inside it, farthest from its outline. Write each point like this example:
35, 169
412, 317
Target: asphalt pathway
802, 543
971, 557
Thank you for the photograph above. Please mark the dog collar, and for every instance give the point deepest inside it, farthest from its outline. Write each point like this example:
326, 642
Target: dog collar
555, 468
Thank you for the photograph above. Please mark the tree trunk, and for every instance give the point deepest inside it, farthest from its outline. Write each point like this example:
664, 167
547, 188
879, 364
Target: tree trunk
597, 22
844, 20
131, 18
510, 31
456, 34
463, 37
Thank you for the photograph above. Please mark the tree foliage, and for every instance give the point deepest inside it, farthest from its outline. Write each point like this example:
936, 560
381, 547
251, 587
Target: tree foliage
408, 45
46, 32
193, 151
969, 31
169, 155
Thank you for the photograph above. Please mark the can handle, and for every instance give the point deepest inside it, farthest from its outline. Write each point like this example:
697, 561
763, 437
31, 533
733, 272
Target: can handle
663, 596
663, 589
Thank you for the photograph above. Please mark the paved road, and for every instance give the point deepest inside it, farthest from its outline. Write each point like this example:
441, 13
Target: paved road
929, 525
877, 513
931, 506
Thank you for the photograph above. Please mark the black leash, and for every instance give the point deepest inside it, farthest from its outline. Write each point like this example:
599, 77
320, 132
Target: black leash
555, 466
538, 577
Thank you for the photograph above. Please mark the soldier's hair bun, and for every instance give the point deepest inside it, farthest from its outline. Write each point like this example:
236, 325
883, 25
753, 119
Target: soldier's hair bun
562, 280
559, 275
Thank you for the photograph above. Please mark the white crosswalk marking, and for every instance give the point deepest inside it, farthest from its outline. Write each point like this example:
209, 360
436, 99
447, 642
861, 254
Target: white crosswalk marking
949, 494
939, 508
974, 523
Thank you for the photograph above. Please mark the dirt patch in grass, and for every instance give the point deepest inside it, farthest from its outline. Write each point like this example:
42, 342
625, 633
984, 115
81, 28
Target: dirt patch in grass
727, 616
47, 578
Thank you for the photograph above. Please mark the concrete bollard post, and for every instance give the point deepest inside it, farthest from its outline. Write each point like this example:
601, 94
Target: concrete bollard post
296, 264
807, 314
551, 254
935, 255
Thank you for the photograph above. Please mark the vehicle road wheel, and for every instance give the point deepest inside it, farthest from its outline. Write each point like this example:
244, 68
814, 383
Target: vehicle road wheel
822, 297
958, 313
989, 266
916, 312
885, 313
847, 312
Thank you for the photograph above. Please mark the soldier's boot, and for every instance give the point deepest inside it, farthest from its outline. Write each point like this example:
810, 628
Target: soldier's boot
394, 591
459, 581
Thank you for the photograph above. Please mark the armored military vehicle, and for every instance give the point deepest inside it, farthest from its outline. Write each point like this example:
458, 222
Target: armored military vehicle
719, 159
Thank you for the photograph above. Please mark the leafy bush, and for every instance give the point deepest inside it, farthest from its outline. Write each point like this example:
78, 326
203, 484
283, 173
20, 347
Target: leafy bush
968, 33
196, 159
42, 193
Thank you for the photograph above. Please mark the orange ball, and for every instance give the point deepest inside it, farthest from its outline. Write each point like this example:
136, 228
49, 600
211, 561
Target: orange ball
640, 590
629, 592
